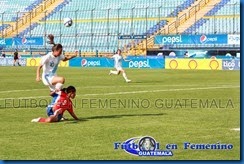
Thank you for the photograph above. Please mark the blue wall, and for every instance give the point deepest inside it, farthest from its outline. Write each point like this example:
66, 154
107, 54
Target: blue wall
191, 39
135, 62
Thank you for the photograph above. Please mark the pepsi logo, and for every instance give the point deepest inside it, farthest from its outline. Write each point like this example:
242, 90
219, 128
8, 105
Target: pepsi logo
83, 62
203, 39
24, 40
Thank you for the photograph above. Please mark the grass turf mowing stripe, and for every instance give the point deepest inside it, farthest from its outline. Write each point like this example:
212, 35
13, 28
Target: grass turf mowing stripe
136, 92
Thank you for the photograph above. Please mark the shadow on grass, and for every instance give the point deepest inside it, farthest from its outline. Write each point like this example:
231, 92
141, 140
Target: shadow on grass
72, 121
125, 115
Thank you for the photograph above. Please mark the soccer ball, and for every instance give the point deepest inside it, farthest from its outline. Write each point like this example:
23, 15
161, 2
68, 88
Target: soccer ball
68, 22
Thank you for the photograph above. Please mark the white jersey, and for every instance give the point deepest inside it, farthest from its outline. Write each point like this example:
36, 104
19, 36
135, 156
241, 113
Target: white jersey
117, 60
50, 63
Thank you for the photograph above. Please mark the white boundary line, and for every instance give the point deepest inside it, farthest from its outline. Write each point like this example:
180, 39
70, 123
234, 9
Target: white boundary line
26, 90
136, 86
22, 98
136, 92
236, 129
163, 90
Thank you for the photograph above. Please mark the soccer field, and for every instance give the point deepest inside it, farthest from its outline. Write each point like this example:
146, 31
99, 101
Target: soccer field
174, 107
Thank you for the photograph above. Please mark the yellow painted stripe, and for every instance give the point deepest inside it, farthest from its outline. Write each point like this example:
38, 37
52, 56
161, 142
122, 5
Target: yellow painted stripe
222, 16
105, 20
134, 19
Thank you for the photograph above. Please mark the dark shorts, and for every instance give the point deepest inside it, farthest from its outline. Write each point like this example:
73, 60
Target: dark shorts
60, 116
50, 113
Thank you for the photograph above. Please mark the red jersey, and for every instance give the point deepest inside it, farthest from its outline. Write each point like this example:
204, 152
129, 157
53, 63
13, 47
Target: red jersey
63, 103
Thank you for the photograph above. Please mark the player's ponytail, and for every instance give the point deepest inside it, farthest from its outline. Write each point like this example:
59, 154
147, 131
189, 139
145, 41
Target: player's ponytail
51, 39
69, 89
55, 47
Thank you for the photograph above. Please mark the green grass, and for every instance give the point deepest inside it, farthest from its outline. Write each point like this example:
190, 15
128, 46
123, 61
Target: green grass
94, 136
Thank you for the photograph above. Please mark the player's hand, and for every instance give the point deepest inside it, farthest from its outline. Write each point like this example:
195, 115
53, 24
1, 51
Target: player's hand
38, 79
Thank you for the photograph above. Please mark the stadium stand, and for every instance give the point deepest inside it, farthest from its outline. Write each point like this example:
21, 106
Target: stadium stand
97, 26
10, 7
219, 15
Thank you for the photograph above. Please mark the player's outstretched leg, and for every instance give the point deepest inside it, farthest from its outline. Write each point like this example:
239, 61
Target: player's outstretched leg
125, 76
52, 118
113, 72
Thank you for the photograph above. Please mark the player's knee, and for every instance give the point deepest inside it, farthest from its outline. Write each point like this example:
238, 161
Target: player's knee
62, 80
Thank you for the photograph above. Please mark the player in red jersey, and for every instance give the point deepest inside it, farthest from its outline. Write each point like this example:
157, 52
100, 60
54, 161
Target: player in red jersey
62, 104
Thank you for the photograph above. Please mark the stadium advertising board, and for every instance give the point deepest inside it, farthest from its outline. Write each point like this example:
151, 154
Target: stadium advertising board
105, 62
91, 62
33, 62
194, 64
25, 41
195, 53
231, 64
132, 37
35, 41
10, 61
6, 42
191, 39
145, 63
234, 39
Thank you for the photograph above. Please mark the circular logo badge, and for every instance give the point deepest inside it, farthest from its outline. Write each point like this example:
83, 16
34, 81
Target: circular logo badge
33, 62
214, 64
192, 64
83, 62
147, 144
173, 64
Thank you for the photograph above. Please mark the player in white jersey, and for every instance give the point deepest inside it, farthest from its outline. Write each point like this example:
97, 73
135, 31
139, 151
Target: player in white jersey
118, 58
50, 63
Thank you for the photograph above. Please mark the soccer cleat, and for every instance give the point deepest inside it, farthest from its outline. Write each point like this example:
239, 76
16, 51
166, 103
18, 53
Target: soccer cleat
127, 81
110, 72
63, 119
35, 120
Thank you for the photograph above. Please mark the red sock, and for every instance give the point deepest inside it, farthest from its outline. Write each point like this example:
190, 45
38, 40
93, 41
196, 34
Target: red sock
42, 120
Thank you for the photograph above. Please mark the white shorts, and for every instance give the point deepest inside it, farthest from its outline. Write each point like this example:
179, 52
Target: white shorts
47, 80
118, 68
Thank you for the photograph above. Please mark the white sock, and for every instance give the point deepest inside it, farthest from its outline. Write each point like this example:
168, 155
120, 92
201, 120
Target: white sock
125, 77
52, 88
114, 72
36, 119
58, 86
